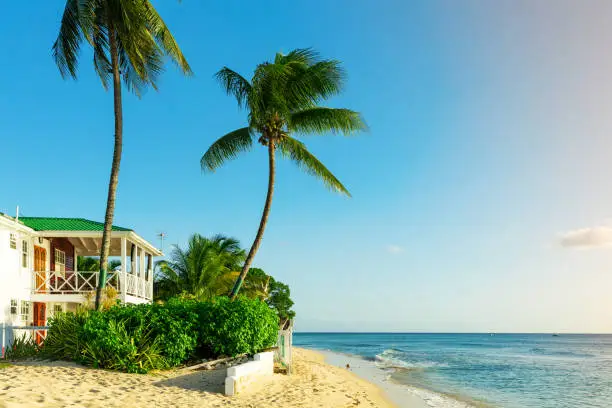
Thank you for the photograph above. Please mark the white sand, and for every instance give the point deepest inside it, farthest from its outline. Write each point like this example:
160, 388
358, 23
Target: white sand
58, 384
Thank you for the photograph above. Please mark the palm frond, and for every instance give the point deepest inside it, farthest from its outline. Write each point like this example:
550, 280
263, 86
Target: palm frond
296, 151
310, 84
102, 64
164, 38
226, 148
202, 269
306, 56
324, 120
68, 42
267, 96
234, 84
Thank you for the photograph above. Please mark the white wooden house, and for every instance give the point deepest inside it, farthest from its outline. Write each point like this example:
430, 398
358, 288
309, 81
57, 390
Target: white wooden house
38, 266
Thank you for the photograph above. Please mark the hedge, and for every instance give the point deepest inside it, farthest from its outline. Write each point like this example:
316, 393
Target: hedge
139, 338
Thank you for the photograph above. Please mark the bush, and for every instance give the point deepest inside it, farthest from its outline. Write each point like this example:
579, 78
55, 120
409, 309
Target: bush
105, 340
23, 347
65, 339
139, 338
236, 327
121, 344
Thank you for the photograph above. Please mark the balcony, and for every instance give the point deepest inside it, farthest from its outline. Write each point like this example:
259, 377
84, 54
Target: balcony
74, 286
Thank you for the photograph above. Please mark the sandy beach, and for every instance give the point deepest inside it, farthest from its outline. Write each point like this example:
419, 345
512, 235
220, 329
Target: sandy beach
61, 384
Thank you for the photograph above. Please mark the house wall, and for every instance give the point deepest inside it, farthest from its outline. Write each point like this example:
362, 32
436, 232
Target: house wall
63, 245
15, 279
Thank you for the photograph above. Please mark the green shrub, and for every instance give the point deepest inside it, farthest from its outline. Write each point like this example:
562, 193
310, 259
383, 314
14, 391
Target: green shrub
23, 347
236, 327
112, 339
65, 339
139, 338
119, 344
176, 328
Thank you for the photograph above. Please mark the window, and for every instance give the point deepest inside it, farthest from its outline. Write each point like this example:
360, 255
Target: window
24, 253
60, 261
14, 307
25, 310
57, 309
13, 241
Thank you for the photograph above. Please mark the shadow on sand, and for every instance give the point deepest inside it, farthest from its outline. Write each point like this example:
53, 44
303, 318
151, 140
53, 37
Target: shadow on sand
212, 381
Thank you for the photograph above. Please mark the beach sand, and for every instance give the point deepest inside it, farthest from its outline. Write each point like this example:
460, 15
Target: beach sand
59, 384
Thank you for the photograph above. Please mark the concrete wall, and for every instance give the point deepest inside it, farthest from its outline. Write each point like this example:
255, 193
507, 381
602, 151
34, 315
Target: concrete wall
239, 377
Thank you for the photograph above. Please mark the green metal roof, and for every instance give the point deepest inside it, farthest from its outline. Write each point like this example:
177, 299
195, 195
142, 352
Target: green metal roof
65, 224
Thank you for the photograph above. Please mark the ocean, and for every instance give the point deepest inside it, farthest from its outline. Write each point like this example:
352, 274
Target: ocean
486, 370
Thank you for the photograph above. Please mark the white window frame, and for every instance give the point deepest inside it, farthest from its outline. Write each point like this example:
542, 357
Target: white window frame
58, 308
60, 262
25, 310
14, 307
25, 253
13, 240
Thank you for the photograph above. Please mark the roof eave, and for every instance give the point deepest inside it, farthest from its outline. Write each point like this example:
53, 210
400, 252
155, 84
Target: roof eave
131, 235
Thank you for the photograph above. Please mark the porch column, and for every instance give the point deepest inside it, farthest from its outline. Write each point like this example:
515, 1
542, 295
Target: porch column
123, 273
141, 259
141, 288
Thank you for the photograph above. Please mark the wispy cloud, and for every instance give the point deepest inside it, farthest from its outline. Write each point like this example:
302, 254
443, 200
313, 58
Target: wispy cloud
587, 237
395, 249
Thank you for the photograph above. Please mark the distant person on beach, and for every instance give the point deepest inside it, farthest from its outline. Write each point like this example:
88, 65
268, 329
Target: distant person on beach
348, 367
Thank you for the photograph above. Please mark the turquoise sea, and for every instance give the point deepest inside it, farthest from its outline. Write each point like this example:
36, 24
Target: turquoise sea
499, 370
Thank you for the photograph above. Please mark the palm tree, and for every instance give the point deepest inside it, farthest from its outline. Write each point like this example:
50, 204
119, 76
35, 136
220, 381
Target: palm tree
283, 98
200, 269
129, 41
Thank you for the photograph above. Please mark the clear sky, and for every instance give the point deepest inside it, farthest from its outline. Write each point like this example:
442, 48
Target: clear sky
481, 195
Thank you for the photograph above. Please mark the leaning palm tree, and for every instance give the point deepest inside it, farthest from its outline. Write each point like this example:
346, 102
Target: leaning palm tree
129, 41
283, 98
200, 269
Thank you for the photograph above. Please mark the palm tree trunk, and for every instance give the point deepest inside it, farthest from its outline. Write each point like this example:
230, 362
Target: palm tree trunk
262, 223
114, 175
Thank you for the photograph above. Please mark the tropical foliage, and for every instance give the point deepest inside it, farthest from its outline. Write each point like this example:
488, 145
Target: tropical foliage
201, 270
208, 267
139, 338
22, 347
283, 98
280, 301
275, 293
130, 42
91, 264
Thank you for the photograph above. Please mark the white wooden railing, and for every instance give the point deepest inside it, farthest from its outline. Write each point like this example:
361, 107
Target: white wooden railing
73, 282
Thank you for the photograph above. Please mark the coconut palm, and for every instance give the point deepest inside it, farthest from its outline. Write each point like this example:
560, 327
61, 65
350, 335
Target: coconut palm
282, 98
199, 270
129, 41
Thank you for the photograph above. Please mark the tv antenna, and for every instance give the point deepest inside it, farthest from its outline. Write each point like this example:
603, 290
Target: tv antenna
161, 236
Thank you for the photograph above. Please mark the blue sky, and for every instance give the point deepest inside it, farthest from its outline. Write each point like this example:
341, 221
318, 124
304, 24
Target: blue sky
481, 199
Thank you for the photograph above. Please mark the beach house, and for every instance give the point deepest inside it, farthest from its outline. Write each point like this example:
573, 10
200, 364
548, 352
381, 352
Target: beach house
38, 266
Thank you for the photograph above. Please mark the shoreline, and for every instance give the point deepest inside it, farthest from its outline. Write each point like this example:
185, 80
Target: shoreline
401, 395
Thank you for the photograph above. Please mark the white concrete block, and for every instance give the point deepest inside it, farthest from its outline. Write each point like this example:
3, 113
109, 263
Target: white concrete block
240, 376
230, 386
267, 356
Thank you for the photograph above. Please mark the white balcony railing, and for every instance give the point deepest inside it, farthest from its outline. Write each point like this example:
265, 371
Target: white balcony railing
73, 282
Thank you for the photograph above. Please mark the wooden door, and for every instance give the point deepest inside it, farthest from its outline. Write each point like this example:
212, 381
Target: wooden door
40, 263
40, 319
